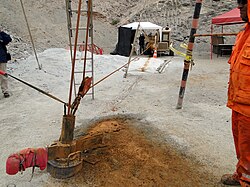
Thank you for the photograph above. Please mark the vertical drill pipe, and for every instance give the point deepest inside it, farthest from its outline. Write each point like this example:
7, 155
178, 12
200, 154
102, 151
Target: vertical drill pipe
69, 25
92, 41
74, 56
189, 51
86, 38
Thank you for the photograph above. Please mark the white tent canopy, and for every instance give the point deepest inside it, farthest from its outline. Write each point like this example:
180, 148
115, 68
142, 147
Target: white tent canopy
143, 25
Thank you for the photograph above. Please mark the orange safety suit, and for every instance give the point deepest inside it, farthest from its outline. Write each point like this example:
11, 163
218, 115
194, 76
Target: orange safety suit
239, 100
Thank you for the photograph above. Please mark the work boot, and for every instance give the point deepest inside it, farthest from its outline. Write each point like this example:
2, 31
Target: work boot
6, 94
230, 179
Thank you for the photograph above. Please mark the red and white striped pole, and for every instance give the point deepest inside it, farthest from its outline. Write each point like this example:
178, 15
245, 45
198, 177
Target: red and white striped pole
189, 52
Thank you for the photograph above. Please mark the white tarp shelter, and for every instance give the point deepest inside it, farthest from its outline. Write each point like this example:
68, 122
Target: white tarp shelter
144, 26
126, 34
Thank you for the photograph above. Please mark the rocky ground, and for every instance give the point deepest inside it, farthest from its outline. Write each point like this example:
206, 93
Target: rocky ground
145, 140
155, 145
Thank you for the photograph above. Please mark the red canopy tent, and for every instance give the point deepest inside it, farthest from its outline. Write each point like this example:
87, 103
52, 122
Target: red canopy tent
228, 18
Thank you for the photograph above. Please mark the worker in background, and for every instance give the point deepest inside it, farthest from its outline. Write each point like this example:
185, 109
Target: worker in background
142, 43
239, 100
5, 39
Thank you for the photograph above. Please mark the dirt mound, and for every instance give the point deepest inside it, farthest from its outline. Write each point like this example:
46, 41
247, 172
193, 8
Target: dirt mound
129, 158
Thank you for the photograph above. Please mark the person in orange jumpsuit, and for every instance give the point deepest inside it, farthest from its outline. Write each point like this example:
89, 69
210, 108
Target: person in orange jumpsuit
239, 100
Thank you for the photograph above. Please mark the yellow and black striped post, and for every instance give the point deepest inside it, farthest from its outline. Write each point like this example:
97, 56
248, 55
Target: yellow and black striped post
189, 51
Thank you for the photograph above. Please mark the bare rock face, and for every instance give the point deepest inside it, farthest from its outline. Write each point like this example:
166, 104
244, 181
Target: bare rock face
48, 23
